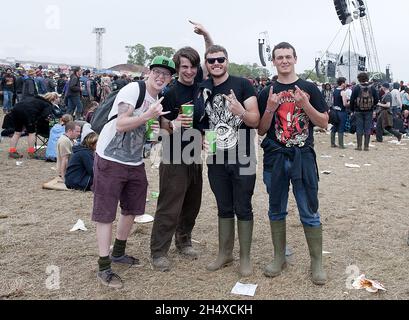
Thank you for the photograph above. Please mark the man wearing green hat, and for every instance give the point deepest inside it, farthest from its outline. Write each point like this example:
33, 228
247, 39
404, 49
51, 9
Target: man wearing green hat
119, 172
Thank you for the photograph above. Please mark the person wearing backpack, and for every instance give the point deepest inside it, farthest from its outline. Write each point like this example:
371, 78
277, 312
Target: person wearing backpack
119, 171
340, 103
363, 100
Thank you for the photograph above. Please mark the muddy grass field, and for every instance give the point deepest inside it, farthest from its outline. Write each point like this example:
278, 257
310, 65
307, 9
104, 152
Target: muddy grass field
364, 213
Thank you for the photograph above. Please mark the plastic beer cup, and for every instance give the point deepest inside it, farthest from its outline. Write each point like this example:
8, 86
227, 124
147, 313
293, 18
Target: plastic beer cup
211, 137
187, 109
150, 134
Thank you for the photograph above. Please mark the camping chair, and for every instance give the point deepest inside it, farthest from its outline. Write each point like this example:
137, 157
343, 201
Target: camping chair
41, 139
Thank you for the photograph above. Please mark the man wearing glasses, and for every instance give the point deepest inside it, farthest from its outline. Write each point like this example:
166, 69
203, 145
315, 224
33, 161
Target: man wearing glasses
231, 109
180, 177
119, 171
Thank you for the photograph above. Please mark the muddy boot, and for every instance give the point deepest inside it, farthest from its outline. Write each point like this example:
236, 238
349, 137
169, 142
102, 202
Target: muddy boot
278, 235
359, 142
314, 241
341, 140
226, 244
184, 245
333, 145
366, 142
245, 230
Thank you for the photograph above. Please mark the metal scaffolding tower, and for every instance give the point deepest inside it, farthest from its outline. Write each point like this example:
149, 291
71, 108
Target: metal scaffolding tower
99, 32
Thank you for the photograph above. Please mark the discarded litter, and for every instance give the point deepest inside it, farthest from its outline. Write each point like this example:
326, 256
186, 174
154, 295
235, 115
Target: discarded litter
154, 195
351, 158
19, 163
244, 289
79, 226
145, 218
326, 252
342, 155
350, 165
326, 172
350, 144
326, 156
367, 165
370, 285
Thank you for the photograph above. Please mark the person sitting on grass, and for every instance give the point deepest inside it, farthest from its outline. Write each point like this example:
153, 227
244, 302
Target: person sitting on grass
79, 174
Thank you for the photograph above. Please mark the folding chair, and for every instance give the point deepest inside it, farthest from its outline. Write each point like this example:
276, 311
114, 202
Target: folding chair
41, 139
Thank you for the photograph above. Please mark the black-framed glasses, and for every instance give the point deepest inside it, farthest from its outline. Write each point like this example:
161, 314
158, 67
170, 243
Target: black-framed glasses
218, 59
165, 74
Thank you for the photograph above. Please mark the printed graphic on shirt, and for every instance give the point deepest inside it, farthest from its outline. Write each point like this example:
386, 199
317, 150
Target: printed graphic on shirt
127, 147
291, 122
225, 123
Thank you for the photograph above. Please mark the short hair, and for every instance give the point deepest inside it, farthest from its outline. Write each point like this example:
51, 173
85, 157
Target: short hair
396, 85
363, 77
189, 53
66, 118
341, 80
51, 96
284, 45
71, 126
90, 140
216, 48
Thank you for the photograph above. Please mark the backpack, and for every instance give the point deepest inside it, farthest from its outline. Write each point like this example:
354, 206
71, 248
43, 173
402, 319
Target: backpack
100, 117
365, 100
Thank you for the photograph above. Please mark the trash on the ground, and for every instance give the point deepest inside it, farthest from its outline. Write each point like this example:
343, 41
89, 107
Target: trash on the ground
53, 168
326, 252
371, 145
144, 218
370, 285
326, 156
147, 200
244, 289
342, 155
351, 158
350, 144
351, 165
19, 163
195, 241
79, 226
352, 209
154, 195
3, 216
367, 164
326, 172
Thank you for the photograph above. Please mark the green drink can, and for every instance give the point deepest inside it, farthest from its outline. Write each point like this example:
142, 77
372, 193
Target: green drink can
187, 109
211, 137
150, 134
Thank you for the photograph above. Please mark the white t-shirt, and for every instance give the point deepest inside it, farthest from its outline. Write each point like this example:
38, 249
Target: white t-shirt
125, 148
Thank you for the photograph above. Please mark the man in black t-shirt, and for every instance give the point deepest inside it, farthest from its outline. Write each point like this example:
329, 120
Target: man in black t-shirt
290, 109
230, 106
180, 172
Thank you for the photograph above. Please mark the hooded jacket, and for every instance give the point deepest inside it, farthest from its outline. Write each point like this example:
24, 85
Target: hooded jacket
79, 174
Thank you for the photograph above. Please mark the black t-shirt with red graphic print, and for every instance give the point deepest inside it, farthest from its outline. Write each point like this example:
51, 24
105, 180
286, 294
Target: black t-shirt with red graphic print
290, 125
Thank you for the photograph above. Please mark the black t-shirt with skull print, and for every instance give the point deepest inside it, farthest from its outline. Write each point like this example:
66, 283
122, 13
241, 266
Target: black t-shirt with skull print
222, 120
290, 125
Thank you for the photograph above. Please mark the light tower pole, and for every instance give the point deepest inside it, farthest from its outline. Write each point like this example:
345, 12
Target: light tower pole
99, 32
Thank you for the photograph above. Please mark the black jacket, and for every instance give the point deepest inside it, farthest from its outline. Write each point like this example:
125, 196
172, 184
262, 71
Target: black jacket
79, 174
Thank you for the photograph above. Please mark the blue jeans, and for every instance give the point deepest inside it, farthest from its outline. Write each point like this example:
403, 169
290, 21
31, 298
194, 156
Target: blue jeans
232, 190
363, 122
74, 102
7, 100
307, 217
340, 127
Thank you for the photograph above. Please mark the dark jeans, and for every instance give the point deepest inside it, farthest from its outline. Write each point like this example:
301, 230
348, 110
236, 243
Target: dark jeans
180, 196
301, 190
380, 128
363, 122
74, 104
233, 191
340, 126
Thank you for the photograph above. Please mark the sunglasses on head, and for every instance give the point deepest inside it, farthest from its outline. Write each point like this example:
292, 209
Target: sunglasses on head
213, 60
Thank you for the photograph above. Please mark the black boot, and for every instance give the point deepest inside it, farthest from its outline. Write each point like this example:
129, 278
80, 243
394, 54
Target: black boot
333, 145
359, 142
366, 142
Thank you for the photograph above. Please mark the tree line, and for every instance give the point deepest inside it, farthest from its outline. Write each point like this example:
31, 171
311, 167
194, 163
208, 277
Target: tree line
138, 55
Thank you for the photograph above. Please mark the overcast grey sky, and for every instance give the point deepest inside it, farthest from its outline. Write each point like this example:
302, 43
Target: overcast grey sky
60, 31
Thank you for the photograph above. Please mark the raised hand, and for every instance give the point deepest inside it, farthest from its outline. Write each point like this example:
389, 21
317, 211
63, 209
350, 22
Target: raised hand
198, 28
273, 101
300, 97
234, 105
155, 110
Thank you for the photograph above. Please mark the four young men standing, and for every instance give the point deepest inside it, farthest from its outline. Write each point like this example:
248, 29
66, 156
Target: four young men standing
227, 105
